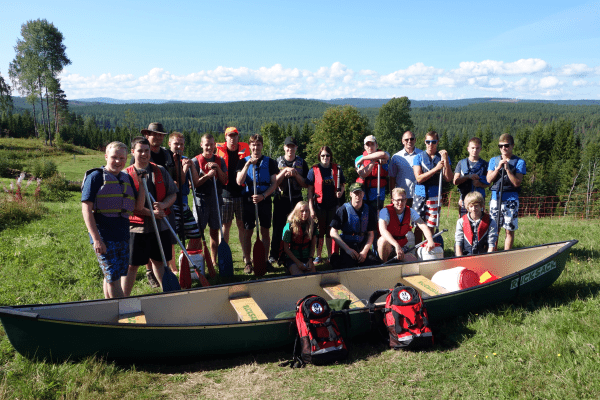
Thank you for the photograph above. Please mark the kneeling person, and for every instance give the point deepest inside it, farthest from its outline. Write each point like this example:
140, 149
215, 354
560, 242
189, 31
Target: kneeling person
358, 222
299, 240
395, 225
476, 232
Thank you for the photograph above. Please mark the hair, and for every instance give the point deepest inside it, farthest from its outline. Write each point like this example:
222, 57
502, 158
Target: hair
207, 136
255, 138
432, 134
473, 197
506, 138
116, 145
296, 222
475, 140
397, 191
139, 139
328, 150
176, 135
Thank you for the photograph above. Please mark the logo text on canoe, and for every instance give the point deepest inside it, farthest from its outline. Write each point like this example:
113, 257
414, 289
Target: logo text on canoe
531, 275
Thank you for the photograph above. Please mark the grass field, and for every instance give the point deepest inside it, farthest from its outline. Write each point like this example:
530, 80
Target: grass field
545, 346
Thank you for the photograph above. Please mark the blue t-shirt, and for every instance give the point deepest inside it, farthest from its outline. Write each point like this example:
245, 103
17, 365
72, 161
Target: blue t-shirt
521, 168
112, 229
426, 163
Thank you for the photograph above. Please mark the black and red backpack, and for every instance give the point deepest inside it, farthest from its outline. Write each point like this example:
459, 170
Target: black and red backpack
319, 340
405, 318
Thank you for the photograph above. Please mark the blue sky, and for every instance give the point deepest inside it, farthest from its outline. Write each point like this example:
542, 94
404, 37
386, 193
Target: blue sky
261, 50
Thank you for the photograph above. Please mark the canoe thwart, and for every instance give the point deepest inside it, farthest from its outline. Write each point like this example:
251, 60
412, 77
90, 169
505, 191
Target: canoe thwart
132, 318
339, 291
424, 285
247, 309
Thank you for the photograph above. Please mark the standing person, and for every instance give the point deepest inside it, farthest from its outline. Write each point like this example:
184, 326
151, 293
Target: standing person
395, 222
515, 169
189, 228
292, 174
266, 183
299, 240
427, 167
367, 166
324, 196
108, 198
470, 174
401, 167
210, 166
475, 232
143, 246
232, 151
357, 221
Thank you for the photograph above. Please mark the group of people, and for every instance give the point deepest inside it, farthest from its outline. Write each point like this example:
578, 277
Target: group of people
236, 180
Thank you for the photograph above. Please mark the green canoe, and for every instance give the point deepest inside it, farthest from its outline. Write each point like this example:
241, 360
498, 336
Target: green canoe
235, 318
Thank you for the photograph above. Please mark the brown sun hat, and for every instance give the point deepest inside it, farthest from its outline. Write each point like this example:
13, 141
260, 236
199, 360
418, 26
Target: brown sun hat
154, 127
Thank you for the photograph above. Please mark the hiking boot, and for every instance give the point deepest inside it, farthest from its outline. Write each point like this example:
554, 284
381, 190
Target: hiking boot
152, 279
248, 269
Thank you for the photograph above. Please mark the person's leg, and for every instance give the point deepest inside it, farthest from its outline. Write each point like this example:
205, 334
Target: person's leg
508, 241
214, 244
246, 232
383, 248
280, 212
226, 229
114, 289
127, 283
266, 239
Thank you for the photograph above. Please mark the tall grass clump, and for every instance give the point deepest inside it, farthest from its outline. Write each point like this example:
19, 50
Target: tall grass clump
18, 207
56, 188
44, 168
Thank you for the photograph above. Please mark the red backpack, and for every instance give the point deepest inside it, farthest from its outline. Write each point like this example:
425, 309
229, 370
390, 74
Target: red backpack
318, 333
405, 318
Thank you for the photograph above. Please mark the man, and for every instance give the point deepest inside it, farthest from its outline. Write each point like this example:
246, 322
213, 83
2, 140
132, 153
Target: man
401, 167
395, 227
108, 198
180, 208
470, 174
427, 167
210, 167
357, 221
514, 171
367, 166
292, 174
266, 183
232, 151
143, 246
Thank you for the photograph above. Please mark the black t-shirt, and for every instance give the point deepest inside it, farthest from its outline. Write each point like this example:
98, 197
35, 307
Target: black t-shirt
232, 189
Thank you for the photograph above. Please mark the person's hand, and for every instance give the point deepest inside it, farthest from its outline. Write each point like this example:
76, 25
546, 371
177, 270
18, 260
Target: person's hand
353, 253
253, 160
339, 194
430, 245
399, 252
474, 177
159, 210
258, 198
99, 246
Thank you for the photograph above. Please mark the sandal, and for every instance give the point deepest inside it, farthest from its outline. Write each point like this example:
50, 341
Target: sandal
248, 269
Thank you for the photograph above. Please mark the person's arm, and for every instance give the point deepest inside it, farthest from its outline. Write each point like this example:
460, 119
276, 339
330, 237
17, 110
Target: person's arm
447, 168
458, 238
380, 155
311, 201
87, 208
310, 265
240, 178
222, 172
427, 233
365, 251
335, 236
288, 252
390, 239
421, 176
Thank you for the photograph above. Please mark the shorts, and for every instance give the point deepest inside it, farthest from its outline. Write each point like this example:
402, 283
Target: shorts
509, 216
190, 226
324, 218
143, 247
428, 209
115, 262
208, 212
232, 206
265, 213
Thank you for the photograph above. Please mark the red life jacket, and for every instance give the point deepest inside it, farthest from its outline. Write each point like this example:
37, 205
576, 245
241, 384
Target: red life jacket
398, 228
243, 151
319, 180
159, 186
482, 231
300, 240
372, 179
203, 161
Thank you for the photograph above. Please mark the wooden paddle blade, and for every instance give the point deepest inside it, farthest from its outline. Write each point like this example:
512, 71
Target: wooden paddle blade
208, 260
169, 281
185, 276
258, 258
225, 259
203, 280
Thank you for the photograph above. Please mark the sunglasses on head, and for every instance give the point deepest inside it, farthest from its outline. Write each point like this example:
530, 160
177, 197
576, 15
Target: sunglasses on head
431, 141
505, 145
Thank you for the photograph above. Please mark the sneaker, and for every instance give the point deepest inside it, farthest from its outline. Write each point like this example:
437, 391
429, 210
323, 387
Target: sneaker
152, 279
248, 269
317, 260
269, 265
272, 260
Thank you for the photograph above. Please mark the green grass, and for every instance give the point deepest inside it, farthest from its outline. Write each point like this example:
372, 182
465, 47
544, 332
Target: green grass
544, 346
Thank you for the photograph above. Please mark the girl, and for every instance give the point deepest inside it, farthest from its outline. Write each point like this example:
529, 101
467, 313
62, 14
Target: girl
299, 240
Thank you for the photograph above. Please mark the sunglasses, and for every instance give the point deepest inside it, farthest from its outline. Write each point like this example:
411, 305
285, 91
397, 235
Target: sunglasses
398, 200
412, 139
325, 155
232, 136
431, 141
503, 145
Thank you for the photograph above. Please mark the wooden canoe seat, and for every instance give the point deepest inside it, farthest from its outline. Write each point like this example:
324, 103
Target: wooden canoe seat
247, 309
424, 285
132, 318
339, 291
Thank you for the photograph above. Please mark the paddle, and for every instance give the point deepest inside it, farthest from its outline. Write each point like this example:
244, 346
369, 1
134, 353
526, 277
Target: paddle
258, 251
205, 251
201, 277
499, 203
223, 251
169, 280
437, 222
185, 277
340, 202
414, 247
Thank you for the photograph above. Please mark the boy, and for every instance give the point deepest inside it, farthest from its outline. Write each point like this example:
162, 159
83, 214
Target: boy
108, 198
476, 232
470, 174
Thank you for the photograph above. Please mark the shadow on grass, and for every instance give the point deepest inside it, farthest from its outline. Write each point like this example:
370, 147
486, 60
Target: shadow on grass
584, 253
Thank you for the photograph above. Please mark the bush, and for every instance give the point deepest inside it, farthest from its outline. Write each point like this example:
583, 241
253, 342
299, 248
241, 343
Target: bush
56, 188
8, 165
14, 213
44, 168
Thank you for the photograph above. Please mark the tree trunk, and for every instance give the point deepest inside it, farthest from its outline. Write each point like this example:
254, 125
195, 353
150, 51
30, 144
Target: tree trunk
571, 191
35, 129
48, 113
42, 106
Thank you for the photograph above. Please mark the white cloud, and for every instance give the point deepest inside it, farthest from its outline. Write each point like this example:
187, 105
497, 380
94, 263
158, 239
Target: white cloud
549, 81
579, 70
492, 67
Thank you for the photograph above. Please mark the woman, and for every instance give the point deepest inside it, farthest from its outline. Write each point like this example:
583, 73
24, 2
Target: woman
299, 240
325, 189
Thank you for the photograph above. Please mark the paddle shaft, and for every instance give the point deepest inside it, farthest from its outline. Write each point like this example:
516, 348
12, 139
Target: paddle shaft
180, 182
437, 221
153, 218
378, 165
256, 204
415, 246
499, 204
218, 208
